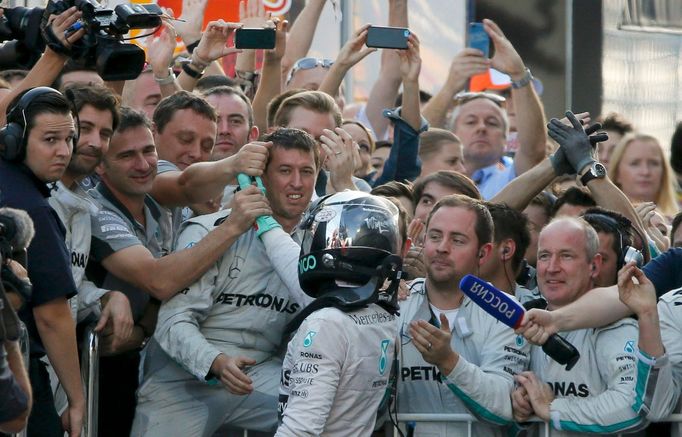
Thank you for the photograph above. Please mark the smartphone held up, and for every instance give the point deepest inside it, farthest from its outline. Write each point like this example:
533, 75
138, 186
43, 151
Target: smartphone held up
383, 37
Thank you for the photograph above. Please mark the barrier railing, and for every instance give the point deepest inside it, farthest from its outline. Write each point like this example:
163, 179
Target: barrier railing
469, 419
90, 373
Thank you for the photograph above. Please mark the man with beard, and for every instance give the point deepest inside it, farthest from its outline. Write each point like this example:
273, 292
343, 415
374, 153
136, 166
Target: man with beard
97, 119
472, 357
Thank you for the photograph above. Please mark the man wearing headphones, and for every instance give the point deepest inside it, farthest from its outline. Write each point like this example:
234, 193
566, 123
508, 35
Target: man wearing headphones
615, 239
37, 144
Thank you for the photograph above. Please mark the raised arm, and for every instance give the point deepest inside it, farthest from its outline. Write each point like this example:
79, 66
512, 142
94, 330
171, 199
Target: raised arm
530, 117
50, 64
212, 46
301, 34
160, 54
465, 64
385, 88
271, 78
351, 53
166, 276
203, 181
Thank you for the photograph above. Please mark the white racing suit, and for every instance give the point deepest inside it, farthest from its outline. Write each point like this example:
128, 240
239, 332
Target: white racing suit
240, 306
595, 396
481, 382
336, 372
74, 208
659, 381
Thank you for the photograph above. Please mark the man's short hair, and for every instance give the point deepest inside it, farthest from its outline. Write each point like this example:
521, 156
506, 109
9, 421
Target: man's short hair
431, 140
393, 189
511, 224
573, 196
181, 100
591, 237
12, 74
131, 118
214, 80
617, 122
231, 91
71, 66
450, 179
97, 96
290, 139
545, 201
315, 101
477, 96
484, 227
276, 102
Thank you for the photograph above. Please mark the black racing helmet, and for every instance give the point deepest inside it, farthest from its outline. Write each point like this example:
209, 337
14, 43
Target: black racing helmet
347, 237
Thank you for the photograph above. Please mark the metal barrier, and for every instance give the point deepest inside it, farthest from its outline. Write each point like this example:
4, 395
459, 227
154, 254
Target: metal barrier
469, 419
90, 374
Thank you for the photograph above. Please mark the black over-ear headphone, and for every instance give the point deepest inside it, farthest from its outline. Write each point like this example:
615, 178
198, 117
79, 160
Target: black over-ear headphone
625, 253
13, 135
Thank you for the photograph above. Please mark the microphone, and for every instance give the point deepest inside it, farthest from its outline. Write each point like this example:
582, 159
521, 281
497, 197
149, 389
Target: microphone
16, 233
502, 307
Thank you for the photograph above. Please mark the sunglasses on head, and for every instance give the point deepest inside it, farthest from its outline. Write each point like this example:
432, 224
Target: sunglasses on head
309, 64
467, 96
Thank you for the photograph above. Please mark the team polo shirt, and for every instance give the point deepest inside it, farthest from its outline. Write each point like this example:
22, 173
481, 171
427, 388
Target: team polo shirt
114, 228
48, 261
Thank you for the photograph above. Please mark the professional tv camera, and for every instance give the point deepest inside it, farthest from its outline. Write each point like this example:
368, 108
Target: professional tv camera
21, 28
102, 45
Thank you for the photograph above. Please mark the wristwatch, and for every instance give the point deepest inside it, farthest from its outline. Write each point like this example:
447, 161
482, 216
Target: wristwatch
525, 80
596, 171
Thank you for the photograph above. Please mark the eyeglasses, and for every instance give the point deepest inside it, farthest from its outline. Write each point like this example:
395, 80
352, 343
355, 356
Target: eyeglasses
467, 96
309, 64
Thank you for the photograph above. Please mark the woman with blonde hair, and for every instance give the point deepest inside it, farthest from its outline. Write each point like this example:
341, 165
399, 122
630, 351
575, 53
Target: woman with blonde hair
638, 166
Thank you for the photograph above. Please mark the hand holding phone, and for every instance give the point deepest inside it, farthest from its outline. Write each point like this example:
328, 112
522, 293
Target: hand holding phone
387, 37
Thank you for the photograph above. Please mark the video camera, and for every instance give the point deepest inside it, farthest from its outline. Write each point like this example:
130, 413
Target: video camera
101, 47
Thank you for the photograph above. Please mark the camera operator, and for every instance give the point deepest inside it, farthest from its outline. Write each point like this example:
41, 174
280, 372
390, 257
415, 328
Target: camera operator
36, 148
15, 389
51, 63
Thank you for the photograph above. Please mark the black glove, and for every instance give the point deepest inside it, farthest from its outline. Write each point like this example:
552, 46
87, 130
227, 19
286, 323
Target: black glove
560, 161
574, 141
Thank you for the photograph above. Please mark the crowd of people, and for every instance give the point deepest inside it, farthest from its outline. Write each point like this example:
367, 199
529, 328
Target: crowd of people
256, 253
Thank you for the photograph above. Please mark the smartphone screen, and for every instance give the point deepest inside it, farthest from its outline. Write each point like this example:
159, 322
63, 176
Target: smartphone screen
478, 39
254, 38
387, 37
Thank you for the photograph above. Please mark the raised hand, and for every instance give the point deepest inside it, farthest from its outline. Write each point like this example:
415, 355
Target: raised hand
191, 20
252, 157
252, 13
574, 140
354, 50
506, 58
338, 146
410, 61
213, 43
160, 49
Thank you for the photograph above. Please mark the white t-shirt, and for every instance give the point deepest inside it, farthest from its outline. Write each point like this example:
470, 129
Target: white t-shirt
450, 314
